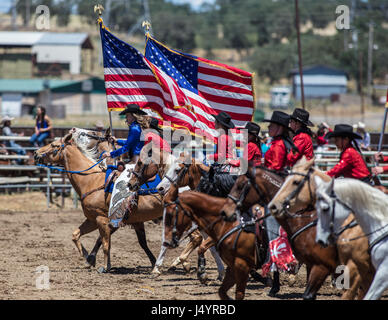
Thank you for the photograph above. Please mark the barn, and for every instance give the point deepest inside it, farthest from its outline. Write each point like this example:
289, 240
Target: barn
319, 81
37, 54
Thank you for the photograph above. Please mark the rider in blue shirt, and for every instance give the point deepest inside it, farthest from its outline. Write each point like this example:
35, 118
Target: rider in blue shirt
134, 143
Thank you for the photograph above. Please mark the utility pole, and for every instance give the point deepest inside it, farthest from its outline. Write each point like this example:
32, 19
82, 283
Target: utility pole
14, 15
145, 17
299, 52
107, 12
28, 13
360, 67
370, 59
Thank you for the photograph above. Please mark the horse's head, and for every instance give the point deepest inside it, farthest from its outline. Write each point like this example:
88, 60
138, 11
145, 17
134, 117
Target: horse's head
141, 173
53, 152
175, 222
297, 192
255, 186
325, 211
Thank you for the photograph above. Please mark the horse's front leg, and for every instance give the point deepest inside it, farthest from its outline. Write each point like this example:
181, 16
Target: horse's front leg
195, 240
316, 277
205, 245
155, 271
141, 238
91, 259
105, 233
86, 227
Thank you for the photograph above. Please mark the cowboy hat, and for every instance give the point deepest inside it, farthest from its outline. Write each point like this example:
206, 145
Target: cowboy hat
343, 130
302, 116
224, 119
99, 124
280, 118
253, 128
6, 118
132, 108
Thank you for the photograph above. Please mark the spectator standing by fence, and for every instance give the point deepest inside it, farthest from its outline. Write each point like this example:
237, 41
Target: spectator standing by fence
43, 127
6, 122
363, 143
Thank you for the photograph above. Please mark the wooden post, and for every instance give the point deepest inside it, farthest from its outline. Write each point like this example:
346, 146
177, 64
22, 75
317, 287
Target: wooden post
360, 56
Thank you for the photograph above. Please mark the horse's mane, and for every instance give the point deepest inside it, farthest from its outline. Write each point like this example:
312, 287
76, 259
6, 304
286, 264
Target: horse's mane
90, 153
363, 195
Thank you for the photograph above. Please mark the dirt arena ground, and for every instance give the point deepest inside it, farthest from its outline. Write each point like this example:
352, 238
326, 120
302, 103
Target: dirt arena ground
32, 235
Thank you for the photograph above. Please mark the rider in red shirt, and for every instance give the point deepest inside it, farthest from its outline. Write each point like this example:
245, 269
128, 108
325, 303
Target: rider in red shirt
252, 151
224, 144
351, 164
276, 156
299, 121
156, 139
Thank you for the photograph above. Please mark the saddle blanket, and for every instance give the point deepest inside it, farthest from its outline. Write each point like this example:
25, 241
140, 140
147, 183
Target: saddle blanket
123, 200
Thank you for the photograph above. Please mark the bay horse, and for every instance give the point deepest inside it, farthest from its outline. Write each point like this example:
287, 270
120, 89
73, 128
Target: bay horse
235, 246
298, 192
260, 185
182, 172
336, 199
89, 185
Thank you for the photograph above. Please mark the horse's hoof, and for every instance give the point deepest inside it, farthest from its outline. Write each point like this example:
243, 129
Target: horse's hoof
171, 269
220, 277
91, 261
273, 291
155, 275
102, 270
186, 266
308, 297
202, 277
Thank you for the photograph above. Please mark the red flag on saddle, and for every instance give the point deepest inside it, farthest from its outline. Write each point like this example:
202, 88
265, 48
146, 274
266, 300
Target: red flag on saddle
280, 254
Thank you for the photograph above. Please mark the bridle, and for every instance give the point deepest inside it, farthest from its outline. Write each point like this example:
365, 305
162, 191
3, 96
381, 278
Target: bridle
251, 182
177, 203
295, 193
182, 172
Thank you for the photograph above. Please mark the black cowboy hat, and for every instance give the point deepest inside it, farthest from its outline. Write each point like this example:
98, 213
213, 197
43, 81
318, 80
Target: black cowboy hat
279, 117
343, 130
302, 116
253, 128
224, 119
132, 108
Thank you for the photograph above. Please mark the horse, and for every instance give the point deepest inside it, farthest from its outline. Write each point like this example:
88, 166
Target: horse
298, 192
93, 144
336, 199
236, 247
95, 203
260, 185
182, 172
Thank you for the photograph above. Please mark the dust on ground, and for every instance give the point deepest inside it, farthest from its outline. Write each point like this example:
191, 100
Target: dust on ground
31, 235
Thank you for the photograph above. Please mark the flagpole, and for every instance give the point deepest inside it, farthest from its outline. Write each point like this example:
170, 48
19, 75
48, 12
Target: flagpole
99, 9
384, 122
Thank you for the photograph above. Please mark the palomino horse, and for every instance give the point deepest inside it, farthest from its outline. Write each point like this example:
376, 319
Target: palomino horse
260, 185
93, 144
89, 186
236, 247
181, 173
338, 198
298, 192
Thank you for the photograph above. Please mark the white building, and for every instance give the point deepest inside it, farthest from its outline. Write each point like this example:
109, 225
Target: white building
50, 49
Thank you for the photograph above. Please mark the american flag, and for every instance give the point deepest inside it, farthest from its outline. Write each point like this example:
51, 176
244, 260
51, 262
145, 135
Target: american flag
174, 86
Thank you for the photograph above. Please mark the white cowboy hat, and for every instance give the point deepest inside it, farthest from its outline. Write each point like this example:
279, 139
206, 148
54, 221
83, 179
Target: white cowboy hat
6, 118
361, 125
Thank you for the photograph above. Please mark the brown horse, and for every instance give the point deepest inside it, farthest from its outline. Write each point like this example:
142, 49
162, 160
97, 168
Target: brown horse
260, 185
95, 203
298, 191
237, 249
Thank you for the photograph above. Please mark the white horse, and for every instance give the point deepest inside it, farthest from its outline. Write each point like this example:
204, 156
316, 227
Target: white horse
335, 200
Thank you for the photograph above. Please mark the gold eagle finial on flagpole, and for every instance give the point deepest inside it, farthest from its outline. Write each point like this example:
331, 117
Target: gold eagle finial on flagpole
147, 26
99, 8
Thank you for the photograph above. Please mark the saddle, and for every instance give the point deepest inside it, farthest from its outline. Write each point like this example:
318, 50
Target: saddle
217, 182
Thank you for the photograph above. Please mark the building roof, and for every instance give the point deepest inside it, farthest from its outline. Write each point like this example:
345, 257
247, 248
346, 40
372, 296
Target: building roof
34, 86
19, 39
29, 39
319, 69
